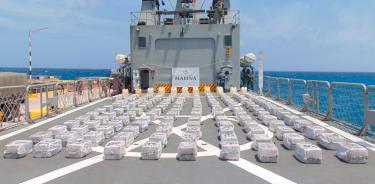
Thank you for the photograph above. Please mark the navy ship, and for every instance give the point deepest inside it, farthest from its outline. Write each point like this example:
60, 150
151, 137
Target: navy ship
192, 111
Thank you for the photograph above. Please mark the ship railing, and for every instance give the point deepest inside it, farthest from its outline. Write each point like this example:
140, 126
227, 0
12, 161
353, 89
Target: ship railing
12, 106
350, 105
20, 104
168, 18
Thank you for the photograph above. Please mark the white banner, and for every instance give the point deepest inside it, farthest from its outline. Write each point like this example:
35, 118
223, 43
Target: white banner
185, 77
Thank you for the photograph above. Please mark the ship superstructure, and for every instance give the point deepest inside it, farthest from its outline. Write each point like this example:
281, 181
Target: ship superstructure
187, 41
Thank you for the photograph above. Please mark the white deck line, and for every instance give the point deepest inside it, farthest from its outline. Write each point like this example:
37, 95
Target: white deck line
80, 165
65, 170
248, 166
347, 135
22, 130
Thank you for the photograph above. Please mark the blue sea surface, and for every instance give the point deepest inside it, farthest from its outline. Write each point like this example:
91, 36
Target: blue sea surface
71, 74
63, 74
353, 77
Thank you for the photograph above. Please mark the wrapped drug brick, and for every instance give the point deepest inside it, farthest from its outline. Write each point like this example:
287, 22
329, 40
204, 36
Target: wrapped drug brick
96, 137
72, 124
93, 124
312, 132
82, 130
151, 150
230, 152
188, 137
18, 149
352, 153
114, 150
254, 130
108, 108
108, 130
289, 119
78, 149
301, 124
117, 124
266, 119
308, 153
291, 139
127, 137
58, 129
68, 137
267, 153
159, 137
83, 118
194, 130
125, 119
187, 151
93, 114
41, 135
141, 124
282, 130
260, 138
133, 129
331, 141
47, 148
274, 124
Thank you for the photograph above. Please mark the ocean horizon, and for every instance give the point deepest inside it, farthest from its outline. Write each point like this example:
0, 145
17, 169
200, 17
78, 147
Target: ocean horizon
367, 78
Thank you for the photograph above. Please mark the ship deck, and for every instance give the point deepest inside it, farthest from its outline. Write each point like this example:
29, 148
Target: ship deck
206, 169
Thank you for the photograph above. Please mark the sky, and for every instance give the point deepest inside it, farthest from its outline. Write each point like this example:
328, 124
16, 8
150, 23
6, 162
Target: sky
295, 35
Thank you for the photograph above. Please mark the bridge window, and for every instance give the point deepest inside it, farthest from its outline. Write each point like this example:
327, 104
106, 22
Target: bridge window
228, 41
141, 42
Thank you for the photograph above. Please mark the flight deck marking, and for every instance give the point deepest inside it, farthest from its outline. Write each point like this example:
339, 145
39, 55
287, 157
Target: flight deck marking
76, 166
349, 136
22, 130
210, 150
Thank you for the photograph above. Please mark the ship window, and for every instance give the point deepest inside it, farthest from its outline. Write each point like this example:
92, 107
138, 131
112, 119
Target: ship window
228, 40
141, 42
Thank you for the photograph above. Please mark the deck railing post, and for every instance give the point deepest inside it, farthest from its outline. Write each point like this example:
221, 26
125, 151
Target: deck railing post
27, 105
367, 115
289, 92
268, 87
278, 88
330, 103
306, 106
